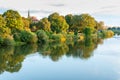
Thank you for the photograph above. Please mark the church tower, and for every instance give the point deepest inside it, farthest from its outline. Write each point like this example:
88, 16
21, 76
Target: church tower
28, 14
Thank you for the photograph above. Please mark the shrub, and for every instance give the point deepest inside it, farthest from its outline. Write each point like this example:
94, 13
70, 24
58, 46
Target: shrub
58, 37
110, 33
42, 36
55, 37
28, 37
17, 36
1, 40
5, 32
49, 33
100, 35
106, 33
33, 38
8, 41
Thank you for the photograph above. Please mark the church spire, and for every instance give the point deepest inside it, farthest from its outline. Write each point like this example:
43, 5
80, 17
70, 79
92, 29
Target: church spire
28, 14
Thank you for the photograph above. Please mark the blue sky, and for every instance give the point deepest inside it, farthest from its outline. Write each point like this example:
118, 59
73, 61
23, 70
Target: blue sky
105, 10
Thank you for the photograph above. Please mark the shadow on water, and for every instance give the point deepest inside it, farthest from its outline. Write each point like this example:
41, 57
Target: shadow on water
11, 57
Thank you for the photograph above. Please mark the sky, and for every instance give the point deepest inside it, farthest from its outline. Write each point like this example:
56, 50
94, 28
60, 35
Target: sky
103, 10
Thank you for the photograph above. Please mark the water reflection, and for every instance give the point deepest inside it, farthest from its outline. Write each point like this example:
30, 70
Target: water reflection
83, 49
53, 50
11, 57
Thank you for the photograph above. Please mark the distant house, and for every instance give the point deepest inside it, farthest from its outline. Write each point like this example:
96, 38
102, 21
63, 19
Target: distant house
32, 18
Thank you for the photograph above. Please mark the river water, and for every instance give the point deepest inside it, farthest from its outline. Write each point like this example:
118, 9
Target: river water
96, 60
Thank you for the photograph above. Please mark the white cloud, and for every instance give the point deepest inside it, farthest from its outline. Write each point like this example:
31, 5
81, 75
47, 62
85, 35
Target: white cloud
45, 7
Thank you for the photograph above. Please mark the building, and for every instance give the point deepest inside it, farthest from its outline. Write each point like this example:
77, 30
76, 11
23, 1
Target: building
32, 18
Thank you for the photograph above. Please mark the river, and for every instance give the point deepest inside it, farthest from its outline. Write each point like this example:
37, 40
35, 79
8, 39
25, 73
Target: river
95, 60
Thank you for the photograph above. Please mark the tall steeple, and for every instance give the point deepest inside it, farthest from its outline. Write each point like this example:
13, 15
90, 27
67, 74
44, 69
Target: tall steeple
28, 14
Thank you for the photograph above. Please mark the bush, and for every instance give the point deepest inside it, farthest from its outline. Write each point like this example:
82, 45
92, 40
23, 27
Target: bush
42, 36
49, 34
17, 36
110, 33
55, 37
8, 41
1, 40
106, 33
28, 37
58, 37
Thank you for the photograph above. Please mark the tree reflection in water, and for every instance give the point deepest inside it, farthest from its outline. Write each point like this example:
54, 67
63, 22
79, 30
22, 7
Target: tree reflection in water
11, 57
54, 50
83, 49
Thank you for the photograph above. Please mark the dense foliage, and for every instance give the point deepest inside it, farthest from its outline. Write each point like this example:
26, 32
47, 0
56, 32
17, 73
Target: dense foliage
42, 36
78, 23
13, 20
58, 23
4, 31
44, 24
28, 37
56, 27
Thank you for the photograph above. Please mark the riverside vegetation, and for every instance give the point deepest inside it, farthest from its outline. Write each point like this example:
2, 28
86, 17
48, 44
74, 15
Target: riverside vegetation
17, 30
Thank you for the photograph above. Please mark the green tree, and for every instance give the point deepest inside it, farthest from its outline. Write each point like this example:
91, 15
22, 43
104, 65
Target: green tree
58, 23
34, 27
44, 24
87, 20
28, 37
76, 27
42, 36
13, 20
69, 20
2, 21
78, 23
88, 31
26, 24
4, 31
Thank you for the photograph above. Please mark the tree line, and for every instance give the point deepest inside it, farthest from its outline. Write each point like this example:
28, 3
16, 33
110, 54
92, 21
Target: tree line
15, 29
115, 29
